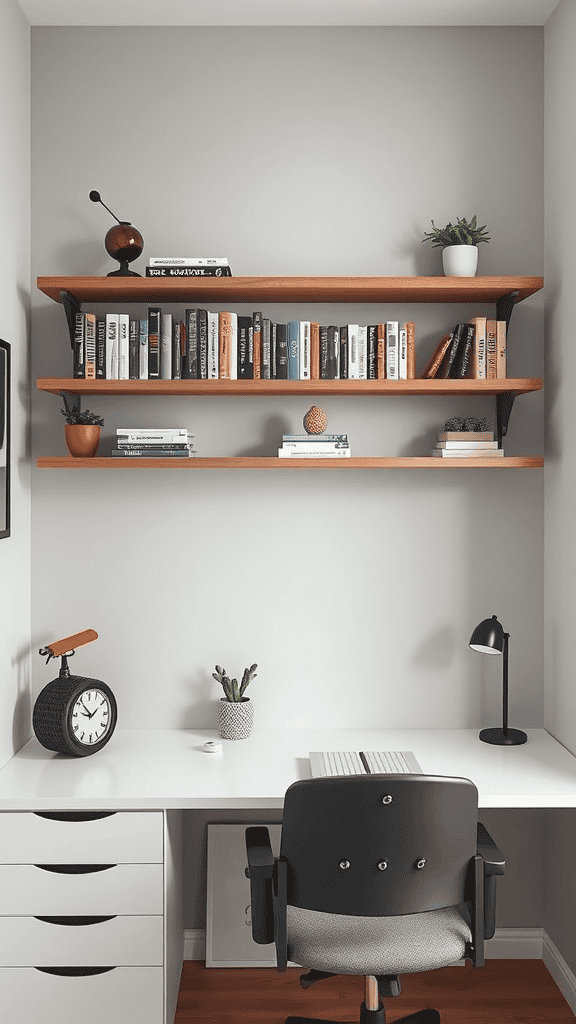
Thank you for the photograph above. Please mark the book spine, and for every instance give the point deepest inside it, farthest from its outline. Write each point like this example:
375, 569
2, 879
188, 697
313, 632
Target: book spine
304, 341
202, 320
126, 446
410, 350
465, 350
293, 350
138, 453
491, 350
362, 352
323, 352
112, 346
501, 348
123, 345
188, 272
187, 261
213, 345
143, 360
372, 351
257, 340
154, 315
353, 362
344, 352
190, 366
328, 446
133, 351
90, 336
341, 454
166, 346
273, 352
392, 349
314, 438
101, 347
225, 344
402, 354
281, 352
245, 348
266, 361
314, 350
177, 331
79, 346
447, 369
381, 355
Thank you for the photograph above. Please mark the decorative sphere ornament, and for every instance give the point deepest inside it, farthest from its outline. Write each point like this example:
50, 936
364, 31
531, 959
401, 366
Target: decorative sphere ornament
123, 242
315, 421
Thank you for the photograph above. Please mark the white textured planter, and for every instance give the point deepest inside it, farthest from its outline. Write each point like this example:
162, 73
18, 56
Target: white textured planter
460, 260
235, 720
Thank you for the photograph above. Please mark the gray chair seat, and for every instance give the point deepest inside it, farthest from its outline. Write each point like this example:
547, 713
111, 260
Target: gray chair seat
344, 944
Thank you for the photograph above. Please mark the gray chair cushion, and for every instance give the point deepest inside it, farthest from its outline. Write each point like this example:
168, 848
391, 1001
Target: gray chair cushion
345, 944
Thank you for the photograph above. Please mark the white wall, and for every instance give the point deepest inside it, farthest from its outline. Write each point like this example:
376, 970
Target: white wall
560, 473
295, 151
14, 328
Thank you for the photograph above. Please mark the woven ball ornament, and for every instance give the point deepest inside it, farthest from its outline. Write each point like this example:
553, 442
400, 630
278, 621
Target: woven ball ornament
315, 421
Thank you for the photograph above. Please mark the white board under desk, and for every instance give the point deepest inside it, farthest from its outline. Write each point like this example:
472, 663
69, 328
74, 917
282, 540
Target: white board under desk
147, 769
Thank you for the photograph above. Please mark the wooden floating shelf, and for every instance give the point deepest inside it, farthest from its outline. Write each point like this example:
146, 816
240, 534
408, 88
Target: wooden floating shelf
251, 462
289, 289
518, 385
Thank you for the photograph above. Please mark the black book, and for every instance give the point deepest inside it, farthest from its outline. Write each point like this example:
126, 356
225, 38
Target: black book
202, 322
464, 351
79, 346
324, 353
188, 272
281, 352
266, 353
445, 370
154, 343
190, 361
133, 350
245, 348
344, 352
101, 347
273, 364
372, 352
177, 330
333, 352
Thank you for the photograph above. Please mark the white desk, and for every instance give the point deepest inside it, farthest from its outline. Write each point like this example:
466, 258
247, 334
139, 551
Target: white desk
149, 778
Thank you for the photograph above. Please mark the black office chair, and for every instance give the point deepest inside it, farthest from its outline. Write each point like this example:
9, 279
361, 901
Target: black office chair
378, 875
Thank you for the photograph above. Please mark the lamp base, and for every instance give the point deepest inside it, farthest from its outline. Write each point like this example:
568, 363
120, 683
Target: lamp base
510, 738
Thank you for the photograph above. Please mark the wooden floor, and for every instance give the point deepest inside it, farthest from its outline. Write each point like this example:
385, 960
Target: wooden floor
503, 992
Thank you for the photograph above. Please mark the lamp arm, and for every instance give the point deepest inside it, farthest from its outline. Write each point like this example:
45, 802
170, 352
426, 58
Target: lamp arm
505, 685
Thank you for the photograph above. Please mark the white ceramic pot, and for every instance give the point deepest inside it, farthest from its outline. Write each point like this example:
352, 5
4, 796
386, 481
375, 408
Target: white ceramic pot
460, 260
235, 720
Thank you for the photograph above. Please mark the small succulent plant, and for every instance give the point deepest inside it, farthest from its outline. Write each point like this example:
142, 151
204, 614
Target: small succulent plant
234, 692
461, 233
76, 415
458, 423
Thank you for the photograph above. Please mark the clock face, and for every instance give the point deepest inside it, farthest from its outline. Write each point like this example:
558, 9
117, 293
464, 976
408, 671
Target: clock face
91, 717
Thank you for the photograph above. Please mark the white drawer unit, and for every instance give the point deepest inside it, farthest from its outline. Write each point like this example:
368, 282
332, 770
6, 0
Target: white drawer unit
90, 917
30, 996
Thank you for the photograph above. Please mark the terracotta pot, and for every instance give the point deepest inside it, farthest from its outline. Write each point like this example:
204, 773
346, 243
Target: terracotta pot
82, 439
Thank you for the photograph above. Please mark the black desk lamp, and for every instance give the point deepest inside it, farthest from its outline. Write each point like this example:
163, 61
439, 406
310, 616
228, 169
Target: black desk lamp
489, 638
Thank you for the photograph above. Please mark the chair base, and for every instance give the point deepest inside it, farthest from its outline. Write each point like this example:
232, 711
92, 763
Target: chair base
428, 1016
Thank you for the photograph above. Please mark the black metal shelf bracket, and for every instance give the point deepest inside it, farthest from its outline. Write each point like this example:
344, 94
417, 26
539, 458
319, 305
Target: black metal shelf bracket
504, 306
504, 403
72, 402
71, 308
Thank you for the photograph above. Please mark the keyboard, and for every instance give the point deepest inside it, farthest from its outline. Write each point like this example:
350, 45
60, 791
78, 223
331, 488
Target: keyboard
363, 762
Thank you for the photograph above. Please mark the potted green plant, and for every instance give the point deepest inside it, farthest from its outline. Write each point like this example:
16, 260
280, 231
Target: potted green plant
81, 430
235, 711
459, 243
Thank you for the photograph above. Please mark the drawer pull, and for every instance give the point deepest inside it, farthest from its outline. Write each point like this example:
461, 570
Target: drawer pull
74, 815
74, 869
74, 921
74, 972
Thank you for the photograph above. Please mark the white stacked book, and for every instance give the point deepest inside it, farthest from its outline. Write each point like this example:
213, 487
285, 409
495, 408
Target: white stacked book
314, 446
467, 444
154, 443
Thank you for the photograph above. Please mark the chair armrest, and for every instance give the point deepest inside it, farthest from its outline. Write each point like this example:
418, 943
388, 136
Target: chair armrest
494, 865
260, 872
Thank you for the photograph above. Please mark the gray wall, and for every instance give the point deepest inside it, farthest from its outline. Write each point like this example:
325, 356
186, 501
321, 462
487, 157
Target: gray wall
295, 151
560, 541
14, 328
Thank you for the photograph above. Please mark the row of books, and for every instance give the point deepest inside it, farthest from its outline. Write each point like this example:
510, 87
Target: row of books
314, 446
209, 346
470, 444
154, 443
188, 266
475, 349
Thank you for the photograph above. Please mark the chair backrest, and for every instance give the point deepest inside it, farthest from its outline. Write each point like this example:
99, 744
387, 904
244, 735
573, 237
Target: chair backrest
379, 845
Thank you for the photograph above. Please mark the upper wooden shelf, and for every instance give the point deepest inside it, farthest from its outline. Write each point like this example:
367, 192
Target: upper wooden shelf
289, 289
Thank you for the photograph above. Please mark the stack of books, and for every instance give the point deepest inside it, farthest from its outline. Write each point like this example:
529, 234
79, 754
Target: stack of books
154, 443
314, 446
476, 350
467, 444
188, 266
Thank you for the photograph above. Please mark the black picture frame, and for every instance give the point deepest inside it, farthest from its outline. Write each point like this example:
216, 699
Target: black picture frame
4, 439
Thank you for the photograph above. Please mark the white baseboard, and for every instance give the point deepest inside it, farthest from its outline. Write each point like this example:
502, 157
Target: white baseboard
560, 971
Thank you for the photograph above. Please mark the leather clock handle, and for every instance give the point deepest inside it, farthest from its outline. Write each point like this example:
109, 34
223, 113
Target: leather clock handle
70, 643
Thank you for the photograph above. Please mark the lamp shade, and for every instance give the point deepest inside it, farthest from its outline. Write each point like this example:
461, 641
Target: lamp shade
488, 637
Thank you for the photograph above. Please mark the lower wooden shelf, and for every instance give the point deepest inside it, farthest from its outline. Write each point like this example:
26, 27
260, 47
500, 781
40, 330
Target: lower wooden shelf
252, 462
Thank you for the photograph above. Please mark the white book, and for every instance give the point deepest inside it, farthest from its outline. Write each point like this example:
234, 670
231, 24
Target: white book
234, 348
188, 261
213, 354
362, 352
164, 433
353, 365
473, 453
464, 446
143, 350
342, 453
392, 350
166, 346
304, 350
123, 345
402, 354
296, 447
112, 346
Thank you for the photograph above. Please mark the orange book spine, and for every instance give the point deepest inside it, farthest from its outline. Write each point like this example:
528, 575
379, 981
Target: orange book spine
314, 351
501, 348
224, 344
381, 357
434, 364
410, 350
491, 352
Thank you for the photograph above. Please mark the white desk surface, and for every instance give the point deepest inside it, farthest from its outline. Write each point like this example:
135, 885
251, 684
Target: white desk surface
144, 769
